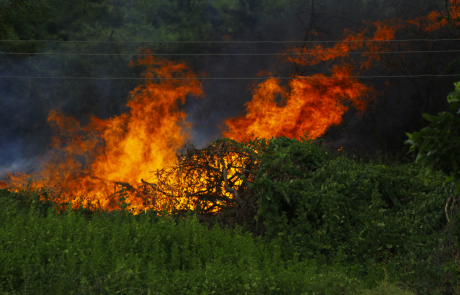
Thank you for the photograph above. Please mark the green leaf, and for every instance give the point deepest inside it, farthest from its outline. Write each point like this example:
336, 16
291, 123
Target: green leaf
428, 117
438, 143
449, 178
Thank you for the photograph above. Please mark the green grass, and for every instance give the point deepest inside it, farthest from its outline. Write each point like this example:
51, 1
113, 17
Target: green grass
42, 252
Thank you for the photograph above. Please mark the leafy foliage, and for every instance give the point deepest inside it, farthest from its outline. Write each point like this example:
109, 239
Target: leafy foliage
335, 210
326, 205
112, 254
439, 143
323, 210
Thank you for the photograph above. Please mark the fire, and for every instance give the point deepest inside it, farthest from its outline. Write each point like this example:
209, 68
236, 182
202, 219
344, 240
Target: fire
313, 105
436, 20
93, 162
122, 149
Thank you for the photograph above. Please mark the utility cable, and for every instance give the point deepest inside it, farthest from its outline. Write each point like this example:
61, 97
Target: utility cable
218, 54
251, 42
245, 78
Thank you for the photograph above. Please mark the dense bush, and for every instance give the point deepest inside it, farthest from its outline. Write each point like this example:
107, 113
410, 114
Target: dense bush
325, 205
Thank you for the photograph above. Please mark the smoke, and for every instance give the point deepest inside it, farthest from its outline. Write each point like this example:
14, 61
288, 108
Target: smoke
25, 104
385, 122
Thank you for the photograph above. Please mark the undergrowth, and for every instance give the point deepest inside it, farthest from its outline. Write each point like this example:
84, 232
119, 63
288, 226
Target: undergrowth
334, 225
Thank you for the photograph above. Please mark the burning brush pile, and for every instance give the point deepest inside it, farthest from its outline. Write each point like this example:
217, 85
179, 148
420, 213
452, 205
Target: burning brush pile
99, 166
215, 182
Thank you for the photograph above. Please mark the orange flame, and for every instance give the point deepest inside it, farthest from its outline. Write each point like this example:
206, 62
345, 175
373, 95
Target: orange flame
311, 105
436, 20
124, 149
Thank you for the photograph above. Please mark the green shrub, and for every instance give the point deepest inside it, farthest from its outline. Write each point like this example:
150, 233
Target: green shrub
439, 143
120, 255
368, 212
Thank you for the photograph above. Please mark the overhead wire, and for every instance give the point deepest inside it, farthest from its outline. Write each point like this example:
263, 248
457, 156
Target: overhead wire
230, 78
225, 54
220, 54
232, 41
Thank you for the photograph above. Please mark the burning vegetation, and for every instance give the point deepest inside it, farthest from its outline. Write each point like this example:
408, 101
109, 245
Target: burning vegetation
129, 155
120, 155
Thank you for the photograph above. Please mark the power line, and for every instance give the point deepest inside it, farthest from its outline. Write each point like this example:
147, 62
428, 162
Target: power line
251, 42
219, 54
245, 78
